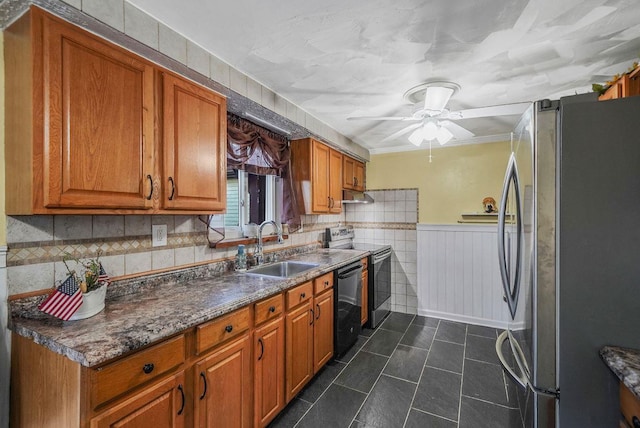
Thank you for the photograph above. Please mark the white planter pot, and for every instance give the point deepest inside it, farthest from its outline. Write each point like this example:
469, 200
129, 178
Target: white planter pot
92, 303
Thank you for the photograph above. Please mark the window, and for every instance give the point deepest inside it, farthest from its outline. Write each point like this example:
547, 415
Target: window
251, 198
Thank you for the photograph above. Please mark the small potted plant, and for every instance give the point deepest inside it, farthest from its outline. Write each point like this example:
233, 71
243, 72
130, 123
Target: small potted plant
92, 281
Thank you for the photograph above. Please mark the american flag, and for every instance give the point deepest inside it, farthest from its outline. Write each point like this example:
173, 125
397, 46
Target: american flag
64, 301
103, 277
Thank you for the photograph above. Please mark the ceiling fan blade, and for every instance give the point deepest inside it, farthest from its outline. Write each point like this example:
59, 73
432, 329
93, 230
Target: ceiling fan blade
401, 132
398, 118
499, 110
459, 133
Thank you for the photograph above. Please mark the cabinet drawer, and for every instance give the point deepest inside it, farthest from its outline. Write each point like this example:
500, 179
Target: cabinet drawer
268, 309
123, 375
221, 329
323, 282
629, 404
299, 294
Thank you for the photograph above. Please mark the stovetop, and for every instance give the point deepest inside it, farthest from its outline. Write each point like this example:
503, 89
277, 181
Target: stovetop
373, 248
342, 237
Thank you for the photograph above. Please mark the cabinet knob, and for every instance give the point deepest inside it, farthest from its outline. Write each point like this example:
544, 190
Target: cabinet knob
326, 283
272, 308
228, 328
302, 296
148, 368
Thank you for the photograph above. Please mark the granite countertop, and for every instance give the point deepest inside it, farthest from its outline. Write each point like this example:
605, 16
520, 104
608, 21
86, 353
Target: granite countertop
132, 321
625, 363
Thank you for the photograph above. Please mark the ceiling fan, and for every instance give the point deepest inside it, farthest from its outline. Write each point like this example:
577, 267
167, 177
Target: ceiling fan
434, 120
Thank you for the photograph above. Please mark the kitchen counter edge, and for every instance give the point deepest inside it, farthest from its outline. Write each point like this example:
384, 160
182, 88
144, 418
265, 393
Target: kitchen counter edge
625, 363
126, 326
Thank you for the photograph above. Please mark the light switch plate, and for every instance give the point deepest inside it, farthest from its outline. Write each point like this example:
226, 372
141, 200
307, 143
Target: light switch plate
159, 235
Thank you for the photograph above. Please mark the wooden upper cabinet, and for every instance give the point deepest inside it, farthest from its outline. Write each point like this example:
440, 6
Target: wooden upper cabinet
628, 85
352, 174
321, 158
317, 174
335, 182
194, 146
81, 131
87, 107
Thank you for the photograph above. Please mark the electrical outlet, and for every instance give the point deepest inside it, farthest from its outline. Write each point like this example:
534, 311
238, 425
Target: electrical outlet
159, 235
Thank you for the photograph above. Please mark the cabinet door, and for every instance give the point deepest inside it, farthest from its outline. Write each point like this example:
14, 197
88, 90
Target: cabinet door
323, 330
358, 169
320, 157
364, 312
348, 172
335, 181
99, 129
162, 405
268, 345
222, 386
194, 147
299, 348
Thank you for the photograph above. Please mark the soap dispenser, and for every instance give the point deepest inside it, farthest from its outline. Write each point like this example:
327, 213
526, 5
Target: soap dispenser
241, 259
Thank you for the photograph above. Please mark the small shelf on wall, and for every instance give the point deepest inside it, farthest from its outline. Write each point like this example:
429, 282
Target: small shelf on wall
483, 218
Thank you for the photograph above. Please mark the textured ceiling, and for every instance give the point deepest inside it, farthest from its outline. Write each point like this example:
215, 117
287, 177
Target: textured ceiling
337, 59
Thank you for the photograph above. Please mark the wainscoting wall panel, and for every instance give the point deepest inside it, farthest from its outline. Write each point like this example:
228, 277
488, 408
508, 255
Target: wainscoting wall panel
458, 274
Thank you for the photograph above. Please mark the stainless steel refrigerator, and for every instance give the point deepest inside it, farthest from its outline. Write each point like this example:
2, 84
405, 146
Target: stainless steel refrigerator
569, 255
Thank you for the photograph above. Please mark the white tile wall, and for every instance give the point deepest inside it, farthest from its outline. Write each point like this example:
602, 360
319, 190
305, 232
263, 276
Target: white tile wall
140, 26
392, 219
172, 44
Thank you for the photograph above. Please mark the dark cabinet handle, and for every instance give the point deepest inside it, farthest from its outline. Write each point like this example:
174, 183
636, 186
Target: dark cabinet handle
261, 349
636, 422
173, 188
272, 308
312, 317
355, 181
329, 201
318, 309
148, 368
150, 187
302, 295
326, 283
204, 379
228, 328
181, 407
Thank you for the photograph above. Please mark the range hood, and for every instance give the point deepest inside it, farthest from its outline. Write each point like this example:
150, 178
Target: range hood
353, 197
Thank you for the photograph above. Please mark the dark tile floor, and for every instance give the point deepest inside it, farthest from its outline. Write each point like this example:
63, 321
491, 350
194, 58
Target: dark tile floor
412, 371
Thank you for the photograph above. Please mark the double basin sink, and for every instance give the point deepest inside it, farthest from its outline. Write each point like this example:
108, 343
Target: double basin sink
282, 269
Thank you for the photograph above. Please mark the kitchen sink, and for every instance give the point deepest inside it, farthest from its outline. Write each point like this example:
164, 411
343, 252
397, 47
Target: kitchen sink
282, 269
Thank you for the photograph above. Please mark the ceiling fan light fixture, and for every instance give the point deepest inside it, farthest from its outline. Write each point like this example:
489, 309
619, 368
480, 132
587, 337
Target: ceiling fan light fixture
416, 137
436, 98
429, 130
443, 135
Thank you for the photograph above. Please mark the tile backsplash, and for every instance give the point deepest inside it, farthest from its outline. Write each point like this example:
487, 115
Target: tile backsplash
37, 245
392, 219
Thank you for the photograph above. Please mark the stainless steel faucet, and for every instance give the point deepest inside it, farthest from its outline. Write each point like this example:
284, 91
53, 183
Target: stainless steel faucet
259, 256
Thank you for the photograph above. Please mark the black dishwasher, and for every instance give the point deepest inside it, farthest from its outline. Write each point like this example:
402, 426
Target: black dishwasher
347, 308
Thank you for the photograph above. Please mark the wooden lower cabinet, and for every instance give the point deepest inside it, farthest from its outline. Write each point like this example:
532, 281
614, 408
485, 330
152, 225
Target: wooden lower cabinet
201, 377
364, 311
268, 369
323, 329
222, 386
162, 405
299, 348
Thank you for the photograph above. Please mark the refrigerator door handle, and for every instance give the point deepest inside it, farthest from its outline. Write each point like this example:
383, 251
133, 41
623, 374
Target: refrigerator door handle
522, 378
511, 288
